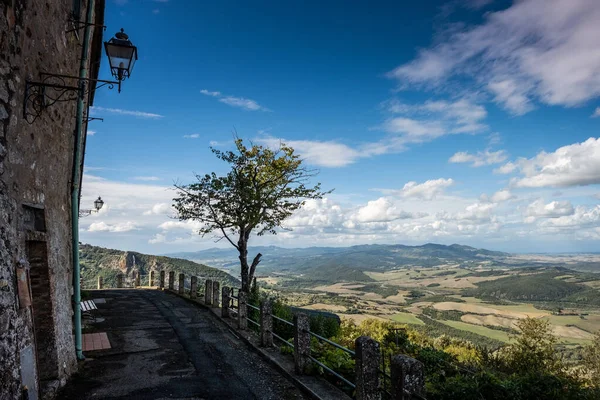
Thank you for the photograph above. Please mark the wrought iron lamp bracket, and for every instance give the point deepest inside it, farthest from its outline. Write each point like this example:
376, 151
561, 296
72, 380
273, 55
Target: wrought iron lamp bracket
55, 88
78, 25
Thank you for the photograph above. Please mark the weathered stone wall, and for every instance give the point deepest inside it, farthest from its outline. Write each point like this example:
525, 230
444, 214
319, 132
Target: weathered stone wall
36, 163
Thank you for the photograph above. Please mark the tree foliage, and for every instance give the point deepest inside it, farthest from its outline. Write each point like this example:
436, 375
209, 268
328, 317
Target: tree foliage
262, 189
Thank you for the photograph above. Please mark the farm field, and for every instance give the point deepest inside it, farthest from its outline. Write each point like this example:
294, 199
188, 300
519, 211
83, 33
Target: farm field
480, 330
440, 296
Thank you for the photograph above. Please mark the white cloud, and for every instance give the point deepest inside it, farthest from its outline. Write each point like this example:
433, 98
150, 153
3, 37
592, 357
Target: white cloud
432, 119
426, 190
160, 209
323, 154
480, 159
209, 93
140, 114
192, 136
158, 238
507, 168
146, 178
381, 210
581, 218
234, 101
554, 209
90, 132
544, 50
573, 165
502, 195
115, 228
596, 112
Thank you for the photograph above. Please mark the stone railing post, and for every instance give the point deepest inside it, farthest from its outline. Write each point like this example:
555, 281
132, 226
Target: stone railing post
171, 280
162, 280
368, 359
301, 342
181, 283
242, 310
120, 280
193, 287
215, 292
208, 297
225, 300
137, 281
266, 323
408, 377
99, 282
151, 279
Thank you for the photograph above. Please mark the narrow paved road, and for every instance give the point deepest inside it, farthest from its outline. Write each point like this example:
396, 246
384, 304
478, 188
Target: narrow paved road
164, 347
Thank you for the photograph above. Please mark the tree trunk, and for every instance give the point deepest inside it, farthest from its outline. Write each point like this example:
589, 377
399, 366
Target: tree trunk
244, 269
253, 267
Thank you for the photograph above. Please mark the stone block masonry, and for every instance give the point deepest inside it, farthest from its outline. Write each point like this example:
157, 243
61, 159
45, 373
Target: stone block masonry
193, 287
215, 292
208, 286
36, 166
181, 282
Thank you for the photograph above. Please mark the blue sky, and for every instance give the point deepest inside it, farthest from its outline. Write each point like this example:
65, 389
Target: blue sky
466, 122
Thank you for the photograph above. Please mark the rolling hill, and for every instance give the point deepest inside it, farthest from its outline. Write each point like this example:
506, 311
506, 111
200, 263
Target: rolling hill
339, 264
108, 263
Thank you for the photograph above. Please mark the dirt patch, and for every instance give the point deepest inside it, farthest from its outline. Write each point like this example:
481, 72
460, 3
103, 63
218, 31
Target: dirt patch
326, 307
479, 309
491, 320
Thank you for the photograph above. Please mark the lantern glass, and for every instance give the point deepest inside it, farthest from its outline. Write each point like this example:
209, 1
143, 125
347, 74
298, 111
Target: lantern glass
122, 55
98, 203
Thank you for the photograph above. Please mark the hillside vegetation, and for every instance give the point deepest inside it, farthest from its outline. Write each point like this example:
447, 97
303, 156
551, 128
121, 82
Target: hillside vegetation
108, 263
348, 264
535, 287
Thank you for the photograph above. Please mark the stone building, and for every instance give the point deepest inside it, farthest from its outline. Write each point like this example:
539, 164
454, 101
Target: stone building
37, 349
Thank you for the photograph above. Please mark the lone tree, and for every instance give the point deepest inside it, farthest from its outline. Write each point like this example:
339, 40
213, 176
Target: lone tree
262, 189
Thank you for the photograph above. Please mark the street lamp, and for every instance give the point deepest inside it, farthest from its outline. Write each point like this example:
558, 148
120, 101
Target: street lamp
122, 55
53, 88
98, 203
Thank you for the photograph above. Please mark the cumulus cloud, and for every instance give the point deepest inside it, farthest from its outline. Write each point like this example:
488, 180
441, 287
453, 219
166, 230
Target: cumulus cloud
119, 227
146, 178
502, 195
382, 209
160, 209
479, 159
192, 136
582, 217
234, 101
426, 190
554, 209
544, 50
573, 165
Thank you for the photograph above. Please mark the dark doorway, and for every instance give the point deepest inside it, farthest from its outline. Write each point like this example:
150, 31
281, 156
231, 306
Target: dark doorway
43, 317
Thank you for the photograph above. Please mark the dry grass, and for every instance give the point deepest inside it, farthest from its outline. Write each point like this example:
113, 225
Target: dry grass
325, 307
517, 311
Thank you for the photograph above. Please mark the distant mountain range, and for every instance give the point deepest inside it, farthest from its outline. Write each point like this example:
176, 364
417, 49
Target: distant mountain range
345, 263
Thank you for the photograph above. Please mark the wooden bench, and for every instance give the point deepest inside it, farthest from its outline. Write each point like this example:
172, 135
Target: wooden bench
86, 308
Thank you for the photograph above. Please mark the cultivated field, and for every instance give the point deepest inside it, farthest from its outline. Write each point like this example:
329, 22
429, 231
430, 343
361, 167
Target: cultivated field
435, 296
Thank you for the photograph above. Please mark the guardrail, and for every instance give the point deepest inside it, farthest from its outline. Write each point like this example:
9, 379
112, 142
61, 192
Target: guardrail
370, 379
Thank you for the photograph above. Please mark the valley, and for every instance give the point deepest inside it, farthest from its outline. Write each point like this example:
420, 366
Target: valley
473, 294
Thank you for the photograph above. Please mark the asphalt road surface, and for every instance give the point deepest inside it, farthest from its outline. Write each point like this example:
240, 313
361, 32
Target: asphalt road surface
163, 347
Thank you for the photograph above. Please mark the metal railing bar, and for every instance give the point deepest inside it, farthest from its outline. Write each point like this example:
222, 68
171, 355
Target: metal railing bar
334, 344
282, 339
253, 321
253, 306
332, 372
282, 320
